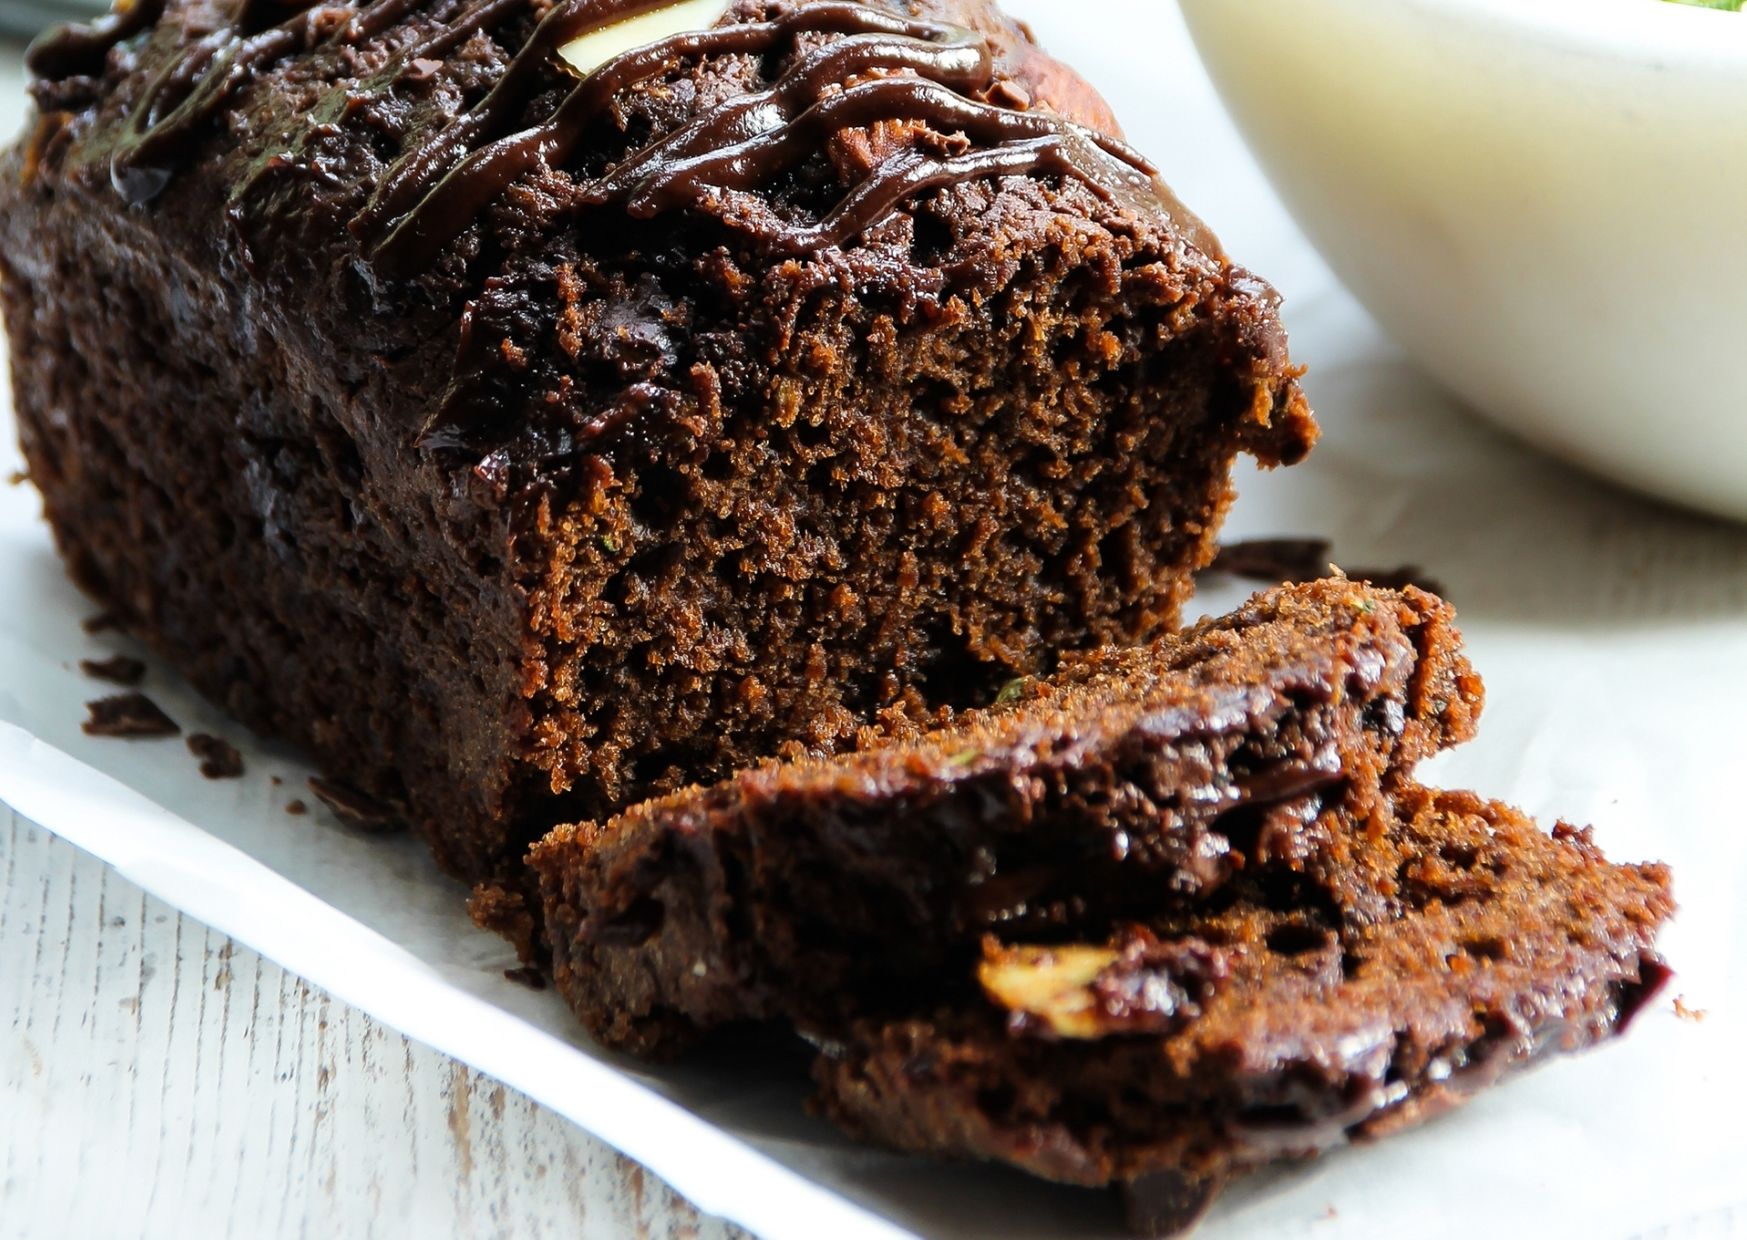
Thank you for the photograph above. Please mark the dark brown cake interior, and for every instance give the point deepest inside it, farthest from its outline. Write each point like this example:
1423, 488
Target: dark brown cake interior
1134, 778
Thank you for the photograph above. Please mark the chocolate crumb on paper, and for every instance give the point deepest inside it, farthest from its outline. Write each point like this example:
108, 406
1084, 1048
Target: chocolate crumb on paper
1681, 1010
219, 758
356, 809
128, 714
527, 975
296, 808
118, 669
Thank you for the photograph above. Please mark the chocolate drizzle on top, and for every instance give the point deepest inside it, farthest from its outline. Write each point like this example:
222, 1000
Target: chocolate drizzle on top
70, 50
894, 68
882, 68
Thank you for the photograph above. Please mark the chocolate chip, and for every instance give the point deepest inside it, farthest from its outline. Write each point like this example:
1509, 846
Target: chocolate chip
219, 759
356, 809
119, 669
1278, 560
1274, 559
1168, 1203
528, 976
128, 714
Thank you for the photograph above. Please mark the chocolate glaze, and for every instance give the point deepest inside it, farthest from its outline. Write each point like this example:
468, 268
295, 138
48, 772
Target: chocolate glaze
69, 50
428, 198
895, 69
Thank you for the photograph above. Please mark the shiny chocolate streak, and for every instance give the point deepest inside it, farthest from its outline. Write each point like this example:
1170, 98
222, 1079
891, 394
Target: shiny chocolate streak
436, 190
70, 50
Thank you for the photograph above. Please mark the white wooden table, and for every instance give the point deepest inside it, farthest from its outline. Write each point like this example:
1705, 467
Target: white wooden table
157, 1079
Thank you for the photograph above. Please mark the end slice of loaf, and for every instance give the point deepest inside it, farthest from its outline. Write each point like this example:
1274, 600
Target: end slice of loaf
1175, 1054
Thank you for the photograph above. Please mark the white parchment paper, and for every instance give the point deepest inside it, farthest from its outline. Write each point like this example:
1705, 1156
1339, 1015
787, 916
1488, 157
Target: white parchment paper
1612, 633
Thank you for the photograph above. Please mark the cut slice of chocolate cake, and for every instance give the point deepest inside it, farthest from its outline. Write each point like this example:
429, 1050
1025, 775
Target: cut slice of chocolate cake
1171, 1056
525, 423
1131, 779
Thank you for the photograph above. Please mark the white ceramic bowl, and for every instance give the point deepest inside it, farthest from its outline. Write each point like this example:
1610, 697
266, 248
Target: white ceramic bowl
1544, 201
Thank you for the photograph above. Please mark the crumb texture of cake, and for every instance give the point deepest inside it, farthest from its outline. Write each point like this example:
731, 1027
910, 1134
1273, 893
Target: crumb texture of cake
1177, 1053
1133, 779
378, 377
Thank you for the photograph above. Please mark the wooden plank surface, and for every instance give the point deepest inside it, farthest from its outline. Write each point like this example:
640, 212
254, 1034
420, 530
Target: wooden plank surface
157, 1079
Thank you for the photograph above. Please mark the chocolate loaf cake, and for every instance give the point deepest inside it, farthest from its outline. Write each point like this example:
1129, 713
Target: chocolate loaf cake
524, 425
1134, 779
1171, 1056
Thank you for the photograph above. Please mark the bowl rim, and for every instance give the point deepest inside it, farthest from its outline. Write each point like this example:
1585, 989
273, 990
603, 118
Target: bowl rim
1640, 32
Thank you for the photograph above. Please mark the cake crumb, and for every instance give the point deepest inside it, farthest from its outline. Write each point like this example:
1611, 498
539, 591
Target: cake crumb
128, 714
356, 809
18, 477
275, 780
118, 669
219, 758
527, 975
503, 910
296, 807
1681, 1010
1399, 578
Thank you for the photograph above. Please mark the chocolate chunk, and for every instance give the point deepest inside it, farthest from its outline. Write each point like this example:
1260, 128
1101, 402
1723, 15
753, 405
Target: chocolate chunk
119, 669
1274, 560
1305, 559
356, 809
528, 976
1168, 1203
128, 714
219, 759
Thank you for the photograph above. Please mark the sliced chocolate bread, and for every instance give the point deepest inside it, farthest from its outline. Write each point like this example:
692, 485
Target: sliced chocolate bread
1170, 1056
1131, 780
